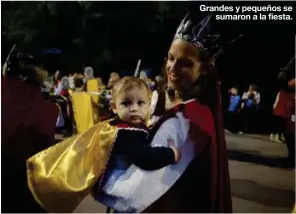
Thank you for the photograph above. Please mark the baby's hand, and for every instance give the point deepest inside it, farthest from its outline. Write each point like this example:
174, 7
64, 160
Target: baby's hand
175, 150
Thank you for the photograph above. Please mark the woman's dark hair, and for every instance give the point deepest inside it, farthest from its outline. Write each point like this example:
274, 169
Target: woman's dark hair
205, 87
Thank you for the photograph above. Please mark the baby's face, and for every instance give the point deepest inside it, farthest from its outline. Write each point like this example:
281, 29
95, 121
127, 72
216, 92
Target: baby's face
132, 106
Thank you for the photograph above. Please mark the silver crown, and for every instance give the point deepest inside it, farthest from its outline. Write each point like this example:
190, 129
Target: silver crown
198, 34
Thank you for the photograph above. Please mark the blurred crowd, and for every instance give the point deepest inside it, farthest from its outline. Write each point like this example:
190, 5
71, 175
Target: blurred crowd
62, 90
243, 111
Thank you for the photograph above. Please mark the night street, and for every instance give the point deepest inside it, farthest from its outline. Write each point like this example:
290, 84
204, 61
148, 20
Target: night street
109, 79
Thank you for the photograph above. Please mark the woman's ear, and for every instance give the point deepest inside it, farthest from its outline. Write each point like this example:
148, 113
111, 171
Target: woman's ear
113, 106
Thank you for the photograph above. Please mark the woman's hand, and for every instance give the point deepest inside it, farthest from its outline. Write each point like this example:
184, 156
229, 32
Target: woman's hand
175, 150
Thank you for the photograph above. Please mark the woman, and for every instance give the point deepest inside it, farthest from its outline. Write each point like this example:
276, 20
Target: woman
281, 114
198, 183
28, 126
287, 79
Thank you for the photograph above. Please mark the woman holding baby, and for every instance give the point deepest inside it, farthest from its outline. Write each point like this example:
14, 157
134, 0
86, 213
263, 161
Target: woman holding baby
192, 94
190, 110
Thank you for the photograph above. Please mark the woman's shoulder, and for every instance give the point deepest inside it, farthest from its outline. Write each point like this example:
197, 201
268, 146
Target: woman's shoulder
196, 113
197, 108
191, 109
199, 115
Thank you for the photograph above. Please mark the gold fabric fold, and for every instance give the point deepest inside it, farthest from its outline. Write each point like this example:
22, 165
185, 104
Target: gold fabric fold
62, 175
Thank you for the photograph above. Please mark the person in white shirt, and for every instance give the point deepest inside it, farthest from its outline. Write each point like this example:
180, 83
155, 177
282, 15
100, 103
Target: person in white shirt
250, 103
71, 81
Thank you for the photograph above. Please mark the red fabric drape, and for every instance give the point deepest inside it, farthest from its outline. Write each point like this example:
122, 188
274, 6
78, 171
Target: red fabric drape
23, 105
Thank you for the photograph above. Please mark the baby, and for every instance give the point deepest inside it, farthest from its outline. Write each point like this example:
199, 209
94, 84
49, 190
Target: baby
131, 103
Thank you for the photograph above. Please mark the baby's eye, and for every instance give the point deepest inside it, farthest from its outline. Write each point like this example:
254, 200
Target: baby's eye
141, 103
125, 103
170, 57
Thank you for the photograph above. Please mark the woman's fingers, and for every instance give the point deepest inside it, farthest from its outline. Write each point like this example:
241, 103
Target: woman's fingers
171, 142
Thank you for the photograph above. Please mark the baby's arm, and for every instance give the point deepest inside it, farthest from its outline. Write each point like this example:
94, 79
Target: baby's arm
130, 143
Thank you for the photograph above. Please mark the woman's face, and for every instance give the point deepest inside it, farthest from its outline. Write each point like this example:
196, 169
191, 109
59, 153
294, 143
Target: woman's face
182, 66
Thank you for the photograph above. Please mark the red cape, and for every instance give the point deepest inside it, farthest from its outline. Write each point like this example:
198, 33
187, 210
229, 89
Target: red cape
290, 123
204, 123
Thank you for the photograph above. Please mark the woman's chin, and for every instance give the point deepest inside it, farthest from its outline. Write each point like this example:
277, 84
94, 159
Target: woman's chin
173, 85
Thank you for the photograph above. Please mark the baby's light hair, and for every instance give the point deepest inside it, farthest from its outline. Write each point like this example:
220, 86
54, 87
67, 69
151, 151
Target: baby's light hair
128, 83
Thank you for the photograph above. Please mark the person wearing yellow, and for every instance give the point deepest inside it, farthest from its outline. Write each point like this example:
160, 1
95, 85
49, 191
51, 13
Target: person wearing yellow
86, 103
83, 110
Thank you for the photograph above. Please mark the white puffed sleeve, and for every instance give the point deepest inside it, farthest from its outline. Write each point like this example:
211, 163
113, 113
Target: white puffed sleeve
154, 100
175, 129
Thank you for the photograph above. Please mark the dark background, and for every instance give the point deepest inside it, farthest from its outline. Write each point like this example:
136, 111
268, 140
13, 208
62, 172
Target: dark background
112, 36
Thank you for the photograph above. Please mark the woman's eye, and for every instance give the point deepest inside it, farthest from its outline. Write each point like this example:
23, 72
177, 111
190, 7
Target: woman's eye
186, 63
